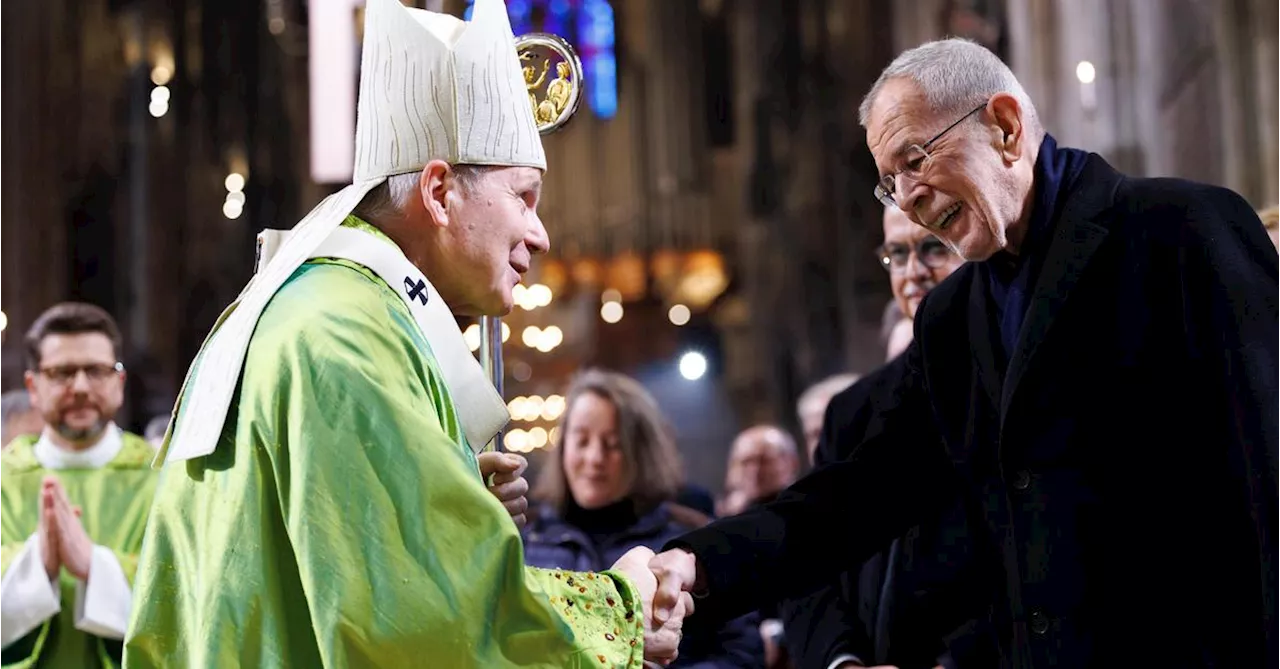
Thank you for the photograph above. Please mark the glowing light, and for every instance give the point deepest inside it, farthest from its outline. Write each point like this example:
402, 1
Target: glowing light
4, 322
526, 297
533, 408
506, 332
553, 437
516, 441
232, 210
611, 312
516, 407
539, 295
552, 337
1085, 72
537, 437
158, 108
693, 365
530, 336
553, 408
548, 339
234, 182
472, 336
610, 295
160, 75
160, 93
679, 314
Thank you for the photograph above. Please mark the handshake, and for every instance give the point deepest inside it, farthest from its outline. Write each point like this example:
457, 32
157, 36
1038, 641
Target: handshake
664, 581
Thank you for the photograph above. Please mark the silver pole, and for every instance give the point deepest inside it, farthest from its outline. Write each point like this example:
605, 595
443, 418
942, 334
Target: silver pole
491, 360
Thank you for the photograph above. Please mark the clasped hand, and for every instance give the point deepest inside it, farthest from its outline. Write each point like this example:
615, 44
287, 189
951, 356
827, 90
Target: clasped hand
63, 541
662, 629
503, 474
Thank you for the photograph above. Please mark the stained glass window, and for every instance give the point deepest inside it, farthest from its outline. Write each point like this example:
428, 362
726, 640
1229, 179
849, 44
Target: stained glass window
588, 25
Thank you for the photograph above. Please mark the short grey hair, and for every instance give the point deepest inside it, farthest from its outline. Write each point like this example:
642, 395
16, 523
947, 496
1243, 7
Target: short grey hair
388, 198
825, 389
391, 197
955, 75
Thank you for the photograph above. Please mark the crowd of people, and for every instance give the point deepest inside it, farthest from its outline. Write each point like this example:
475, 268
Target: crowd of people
1068, 458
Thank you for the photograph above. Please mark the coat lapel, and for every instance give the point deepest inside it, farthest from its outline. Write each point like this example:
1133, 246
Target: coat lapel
988, 364
1076, 237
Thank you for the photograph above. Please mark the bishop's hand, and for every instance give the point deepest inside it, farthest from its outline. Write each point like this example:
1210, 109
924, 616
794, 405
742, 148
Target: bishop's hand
503, 473
661, 638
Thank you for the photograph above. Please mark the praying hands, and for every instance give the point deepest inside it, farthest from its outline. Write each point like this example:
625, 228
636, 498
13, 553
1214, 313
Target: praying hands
63, 541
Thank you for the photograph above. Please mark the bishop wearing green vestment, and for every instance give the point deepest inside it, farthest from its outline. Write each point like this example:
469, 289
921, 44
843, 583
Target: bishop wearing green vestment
73, 500
321, 503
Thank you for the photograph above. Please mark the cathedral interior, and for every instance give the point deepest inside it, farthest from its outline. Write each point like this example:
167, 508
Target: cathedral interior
710, 206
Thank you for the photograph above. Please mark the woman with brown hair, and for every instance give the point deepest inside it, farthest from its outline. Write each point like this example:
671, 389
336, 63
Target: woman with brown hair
609, 487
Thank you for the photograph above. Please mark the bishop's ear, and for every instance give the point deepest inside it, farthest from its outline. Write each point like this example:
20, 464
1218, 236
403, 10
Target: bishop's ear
436, 186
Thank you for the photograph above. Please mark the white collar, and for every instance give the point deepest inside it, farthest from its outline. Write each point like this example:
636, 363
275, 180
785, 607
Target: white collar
52, 456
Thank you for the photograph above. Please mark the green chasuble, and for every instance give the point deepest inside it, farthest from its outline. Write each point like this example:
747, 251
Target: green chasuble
114, 502
342, 522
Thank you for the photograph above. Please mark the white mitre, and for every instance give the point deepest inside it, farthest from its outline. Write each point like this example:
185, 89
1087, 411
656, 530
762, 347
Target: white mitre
431, 87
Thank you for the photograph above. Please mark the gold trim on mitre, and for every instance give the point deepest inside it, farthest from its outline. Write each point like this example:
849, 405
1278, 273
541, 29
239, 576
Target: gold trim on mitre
435, 87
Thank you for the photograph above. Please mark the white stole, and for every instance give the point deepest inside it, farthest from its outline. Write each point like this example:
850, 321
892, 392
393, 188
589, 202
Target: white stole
481, 410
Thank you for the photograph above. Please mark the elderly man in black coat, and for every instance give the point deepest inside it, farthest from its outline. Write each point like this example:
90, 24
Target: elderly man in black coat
1099, 382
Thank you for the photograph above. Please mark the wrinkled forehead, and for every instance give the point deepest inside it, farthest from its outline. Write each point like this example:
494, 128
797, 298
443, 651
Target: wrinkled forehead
900, 116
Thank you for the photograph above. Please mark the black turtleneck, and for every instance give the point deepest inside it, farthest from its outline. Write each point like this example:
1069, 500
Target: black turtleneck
603, 522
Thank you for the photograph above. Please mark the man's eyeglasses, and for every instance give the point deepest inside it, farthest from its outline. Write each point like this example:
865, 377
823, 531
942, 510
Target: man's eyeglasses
913, 161
64, 374
931, 253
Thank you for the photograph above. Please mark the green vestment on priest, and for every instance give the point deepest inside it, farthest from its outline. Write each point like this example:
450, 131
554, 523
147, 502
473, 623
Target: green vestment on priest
320, 502
342, 522
114, 500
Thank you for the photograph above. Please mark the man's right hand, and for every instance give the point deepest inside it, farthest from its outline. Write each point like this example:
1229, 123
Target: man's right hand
661, 637
677, 573
47, 533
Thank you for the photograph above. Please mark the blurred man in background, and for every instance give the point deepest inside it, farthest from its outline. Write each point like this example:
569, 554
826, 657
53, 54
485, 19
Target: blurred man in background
916, 261
812, 406
76, 499
19, 417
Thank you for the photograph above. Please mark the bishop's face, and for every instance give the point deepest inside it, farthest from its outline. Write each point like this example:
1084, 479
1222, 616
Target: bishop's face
493, 233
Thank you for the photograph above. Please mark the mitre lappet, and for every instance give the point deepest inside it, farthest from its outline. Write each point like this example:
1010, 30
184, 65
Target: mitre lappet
432, 87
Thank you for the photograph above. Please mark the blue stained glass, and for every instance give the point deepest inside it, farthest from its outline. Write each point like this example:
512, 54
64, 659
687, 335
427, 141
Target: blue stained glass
602, 86
518, 11
557, 16
593, 34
